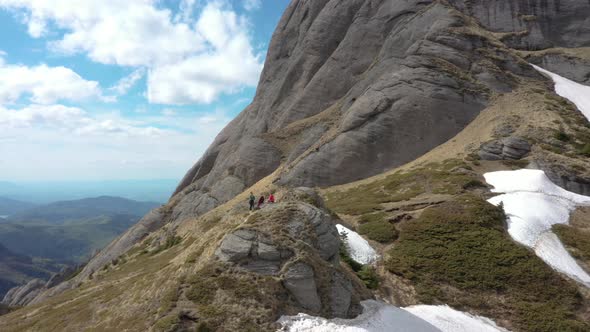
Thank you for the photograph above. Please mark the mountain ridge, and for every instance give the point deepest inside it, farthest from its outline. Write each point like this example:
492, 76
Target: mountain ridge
415, 100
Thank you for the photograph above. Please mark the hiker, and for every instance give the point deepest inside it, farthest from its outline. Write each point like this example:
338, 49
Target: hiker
271, 198
261, 201
252, 201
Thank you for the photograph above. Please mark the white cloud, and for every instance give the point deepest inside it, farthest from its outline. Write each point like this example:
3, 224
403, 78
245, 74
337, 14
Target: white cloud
252, 4
68, 119
55, 142
229, 64
44, 84
143, 33
127, 82
169, 112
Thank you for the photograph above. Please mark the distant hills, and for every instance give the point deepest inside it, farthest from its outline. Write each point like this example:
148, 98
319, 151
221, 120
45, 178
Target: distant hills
75, 210
59, 233
17, 269
10, 206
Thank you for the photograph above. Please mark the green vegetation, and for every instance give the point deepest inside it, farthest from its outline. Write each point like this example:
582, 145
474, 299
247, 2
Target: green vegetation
379, 230
218, 292
345, 257
459, 253
169, 299
366, 273
369, 276
435, 178
584, 150
516, 164
577, 241
171, 241
562, 136
167, 324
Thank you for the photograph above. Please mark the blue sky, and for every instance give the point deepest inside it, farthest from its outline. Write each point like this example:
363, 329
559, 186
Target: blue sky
119, 90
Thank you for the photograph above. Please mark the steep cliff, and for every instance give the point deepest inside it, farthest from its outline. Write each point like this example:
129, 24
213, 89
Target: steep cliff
417, 99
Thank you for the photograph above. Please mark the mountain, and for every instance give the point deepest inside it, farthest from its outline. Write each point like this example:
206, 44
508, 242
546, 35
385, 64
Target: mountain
10, 206
70, 231
18, 269
414, 121
62, 233
68, 211
72, 241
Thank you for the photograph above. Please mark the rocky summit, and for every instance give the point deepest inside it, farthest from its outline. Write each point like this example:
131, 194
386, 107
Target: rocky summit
381, 116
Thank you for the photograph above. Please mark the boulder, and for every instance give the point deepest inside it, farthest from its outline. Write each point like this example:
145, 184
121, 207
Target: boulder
300, 282
507, 148
234, 248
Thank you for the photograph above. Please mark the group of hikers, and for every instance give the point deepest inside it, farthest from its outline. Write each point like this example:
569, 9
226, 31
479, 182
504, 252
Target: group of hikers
271, 199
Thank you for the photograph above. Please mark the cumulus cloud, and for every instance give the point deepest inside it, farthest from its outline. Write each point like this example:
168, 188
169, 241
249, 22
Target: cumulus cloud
44, 84
143, 33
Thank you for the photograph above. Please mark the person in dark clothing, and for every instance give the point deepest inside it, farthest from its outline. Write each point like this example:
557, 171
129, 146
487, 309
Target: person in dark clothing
252, 201
261, 201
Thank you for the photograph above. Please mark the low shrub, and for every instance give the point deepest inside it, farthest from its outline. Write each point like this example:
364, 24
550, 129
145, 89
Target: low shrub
459, 252
379, 230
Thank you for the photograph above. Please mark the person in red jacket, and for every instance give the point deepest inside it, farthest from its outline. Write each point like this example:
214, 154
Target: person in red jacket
271, 198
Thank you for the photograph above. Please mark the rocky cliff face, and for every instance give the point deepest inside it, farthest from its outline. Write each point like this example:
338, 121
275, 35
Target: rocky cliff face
351, 89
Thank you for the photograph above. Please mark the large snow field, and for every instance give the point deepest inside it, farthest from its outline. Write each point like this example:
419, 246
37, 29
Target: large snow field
359, 249
381, 317
533, 205
577, 93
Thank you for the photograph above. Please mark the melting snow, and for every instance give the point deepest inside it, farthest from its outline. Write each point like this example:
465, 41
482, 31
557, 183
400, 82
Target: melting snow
360, 250
450, 320
576, 93
382, 317
533, 205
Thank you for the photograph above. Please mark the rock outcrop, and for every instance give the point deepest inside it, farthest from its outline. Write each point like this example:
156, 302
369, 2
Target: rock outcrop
512, 148
299, 243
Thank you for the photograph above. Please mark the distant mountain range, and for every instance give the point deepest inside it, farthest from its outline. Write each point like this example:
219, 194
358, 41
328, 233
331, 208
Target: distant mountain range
10, 206
75, 210
17, 269
59, 233
52, 191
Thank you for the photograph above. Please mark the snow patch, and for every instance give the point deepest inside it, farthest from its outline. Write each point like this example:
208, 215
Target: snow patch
450, 320
577, 93
359, 249
381, 317
533, 205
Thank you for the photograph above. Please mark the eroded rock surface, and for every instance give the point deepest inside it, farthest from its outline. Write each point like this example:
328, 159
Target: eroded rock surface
296, 240
513, 148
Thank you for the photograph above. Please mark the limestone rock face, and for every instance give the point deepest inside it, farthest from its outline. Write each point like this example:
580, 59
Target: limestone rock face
351, 89
20, 296
534, 25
